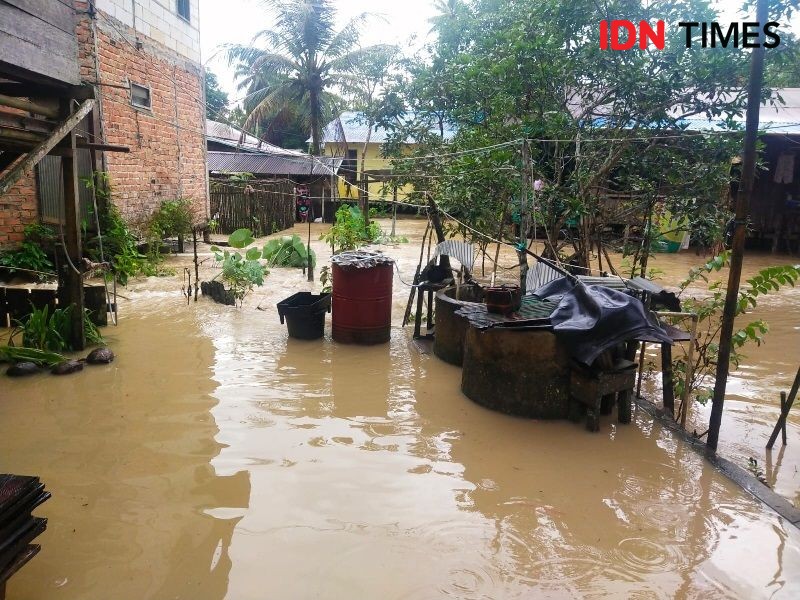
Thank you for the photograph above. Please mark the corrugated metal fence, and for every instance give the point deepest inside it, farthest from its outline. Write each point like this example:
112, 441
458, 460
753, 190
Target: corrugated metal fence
262, 207
50, 184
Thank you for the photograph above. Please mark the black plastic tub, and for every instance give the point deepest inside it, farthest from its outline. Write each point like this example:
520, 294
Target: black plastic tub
305, 314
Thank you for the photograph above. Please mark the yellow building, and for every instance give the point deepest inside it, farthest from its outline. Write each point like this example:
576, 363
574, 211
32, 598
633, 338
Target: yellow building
350, 137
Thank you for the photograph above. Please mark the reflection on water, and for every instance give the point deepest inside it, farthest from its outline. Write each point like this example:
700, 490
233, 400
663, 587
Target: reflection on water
218, 459
126, 451
752, 402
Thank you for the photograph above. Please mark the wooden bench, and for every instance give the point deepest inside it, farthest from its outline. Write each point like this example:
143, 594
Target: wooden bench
596, 388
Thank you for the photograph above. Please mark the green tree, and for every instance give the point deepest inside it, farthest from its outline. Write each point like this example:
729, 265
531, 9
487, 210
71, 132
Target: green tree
237, 116
216, 98
297, 65
505, 70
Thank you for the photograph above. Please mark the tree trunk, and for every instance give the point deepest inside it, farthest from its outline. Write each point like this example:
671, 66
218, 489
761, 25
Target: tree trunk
316, 132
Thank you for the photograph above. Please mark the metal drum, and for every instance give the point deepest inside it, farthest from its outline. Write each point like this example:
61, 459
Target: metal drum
362, 297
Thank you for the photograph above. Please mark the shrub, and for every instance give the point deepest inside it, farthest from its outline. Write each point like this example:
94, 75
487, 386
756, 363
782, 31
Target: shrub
43, 330
173, 218
349, 231
32, 256
241, 273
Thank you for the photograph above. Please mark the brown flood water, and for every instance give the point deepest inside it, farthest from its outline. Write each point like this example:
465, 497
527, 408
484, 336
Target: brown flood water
216, 458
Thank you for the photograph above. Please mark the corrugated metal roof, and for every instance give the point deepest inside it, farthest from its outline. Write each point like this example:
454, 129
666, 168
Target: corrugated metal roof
775, 116
272, 164
229, 135
353, 128
779, 115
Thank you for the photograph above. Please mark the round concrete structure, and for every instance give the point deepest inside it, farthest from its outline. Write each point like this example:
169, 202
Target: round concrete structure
451, 329
523, 372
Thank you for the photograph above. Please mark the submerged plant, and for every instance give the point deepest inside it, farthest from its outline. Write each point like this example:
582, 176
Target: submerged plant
50, 331
241, 272
288, 251
709, 315
39, 357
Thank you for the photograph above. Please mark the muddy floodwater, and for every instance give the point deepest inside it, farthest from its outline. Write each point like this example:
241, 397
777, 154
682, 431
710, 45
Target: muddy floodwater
216, 458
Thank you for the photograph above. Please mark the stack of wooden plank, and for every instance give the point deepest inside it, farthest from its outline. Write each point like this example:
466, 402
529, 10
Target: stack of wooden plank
19, 496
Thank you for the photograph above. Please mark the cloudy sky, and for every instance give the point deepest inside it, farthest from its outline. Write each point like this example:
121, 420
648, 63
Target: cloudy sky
396, 21
226, 21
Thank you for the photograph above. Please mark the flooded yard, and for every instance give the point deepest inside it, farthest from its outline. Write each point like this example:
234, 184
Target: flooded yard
216, 458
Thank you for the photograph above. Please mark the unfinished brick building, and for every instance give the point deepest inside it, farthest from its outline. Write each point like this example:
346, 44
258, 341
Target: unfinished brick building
143, 59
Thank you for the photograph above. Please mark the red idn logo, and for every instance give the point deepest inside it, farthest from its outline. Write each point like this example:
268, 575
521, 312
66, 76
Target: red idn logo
645, 35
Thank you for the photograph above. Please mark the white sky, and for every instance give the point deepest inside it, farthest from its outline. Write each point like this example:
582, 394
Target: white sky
236, 21
396, 21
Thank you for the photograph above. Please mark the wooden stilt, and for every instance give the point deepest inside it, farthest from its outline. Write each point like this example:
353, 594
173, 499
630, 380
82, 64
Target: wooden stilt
73, 278
666, 378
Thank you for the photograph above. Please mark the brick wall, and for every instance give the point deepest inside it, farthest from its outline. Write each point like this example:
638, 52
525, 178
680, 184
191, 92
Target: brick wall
18, 208
167, 157
167, 143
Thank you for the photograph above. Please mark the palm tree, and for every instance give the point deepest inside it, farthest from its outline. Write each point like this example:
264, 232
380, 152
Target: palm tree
299, 66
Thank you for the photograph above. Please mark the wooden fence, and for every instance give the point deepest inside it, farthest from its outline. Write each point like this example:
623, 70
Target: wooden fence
262, 207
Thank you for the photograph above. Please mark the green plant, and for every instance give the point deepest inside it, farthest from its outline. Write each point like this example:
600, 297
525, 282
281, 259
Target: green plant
40, 357
288, 251
709, 315
173, 218
31, 256
241, 273
50, 331
120, 245
349, 231
213, 225
326, 279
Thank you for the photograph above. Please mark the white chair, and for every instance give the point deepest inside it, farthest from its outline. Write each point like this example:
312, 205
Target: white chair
461, 251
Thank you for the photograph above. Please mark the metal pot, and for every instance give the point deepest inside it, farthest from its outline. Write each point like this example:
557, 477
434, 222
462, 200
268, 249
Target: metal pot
503, 299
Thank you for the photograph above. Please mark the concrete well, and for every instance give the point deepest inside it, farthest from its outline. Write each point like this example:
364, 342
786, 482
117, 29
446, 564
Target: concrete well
517, 371
451, 329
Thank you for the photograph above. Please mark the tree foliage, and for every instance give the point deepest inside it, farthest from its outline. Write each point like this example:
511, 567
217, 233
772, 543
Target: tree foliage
599, 123
216, 99
296, 69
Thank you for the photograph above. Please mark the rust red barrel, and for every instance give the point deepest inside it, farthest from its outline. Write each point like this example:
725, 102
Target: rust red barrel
362, 297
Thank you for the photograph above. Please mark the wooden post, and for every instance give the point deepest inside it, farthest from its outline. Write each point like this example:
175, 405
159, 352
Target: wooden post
394, 210
686, 399
196, 263
666, 378
737, 250
499, 237
783, 412
364, 194
524, 223
73, 278
436, 221
785, 408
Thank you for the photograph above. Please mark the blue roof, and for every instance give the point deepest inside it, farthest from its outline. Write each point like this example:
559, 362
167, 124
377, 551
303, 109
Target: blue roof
354, 129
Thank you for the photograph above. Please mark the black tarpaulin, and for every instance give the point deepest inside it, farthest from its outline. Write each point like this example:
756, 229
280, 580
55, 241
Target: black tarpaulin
592, 319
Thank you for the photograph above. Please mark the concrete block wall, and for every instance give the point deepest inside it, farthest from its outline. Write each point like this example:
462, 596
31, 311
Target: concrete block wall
159, 21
